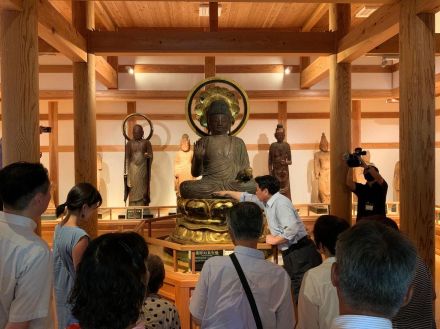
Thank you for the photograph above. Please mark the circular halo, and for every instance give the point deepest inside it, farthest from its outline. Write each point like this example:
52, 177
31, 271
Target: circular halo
204, 83
134, 115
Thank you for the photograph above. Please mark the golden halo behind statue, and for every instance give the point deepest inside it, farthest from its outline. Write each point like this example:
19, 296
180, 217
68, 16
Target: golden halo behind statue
198, 102
124, 132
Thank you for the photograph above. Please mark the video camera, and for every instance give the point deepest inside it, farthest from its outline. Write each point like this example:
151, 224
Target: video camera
354, 159
44, 129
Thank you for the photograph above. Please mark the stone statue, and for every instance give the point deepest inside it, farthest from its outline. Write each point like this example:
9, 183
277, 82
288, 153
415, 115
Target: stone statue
182, 163
396, 182
322, 170
280, 157
139, 156
220, 159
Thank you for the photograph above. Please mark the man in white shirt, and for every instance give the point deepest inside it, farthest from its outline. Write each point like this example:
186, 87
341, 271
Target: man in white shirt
318, 301
219, 300
372, 274
25, 259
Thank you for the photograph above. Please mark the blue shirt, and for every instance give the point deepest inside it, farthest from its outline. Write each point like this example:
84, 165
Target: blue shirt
282, 218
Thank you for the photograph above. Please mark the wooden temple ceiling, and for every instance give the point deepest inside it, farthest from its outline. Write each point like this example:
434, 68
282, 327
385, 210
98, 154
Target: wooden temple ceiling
292, 16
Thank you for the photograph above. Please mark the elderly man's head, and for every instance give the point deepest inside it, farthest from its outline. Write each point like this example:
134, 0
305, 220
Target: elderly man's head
245, 222
373, 270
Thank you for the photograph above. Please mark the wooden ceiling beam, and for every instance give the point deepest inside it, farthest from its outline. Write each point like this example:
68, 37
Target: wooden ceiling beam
315, 72
391, 46
181, 95
59, 33
382, 25
243, 42
231, 69
16, 5
319, 12
291, 1
213, 16
45, 48
428, 6
54, 29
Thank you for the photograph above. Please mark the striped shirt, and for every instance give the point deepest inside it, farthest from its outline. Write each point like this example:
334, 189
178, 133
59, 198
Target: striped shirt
418, 314
360, 322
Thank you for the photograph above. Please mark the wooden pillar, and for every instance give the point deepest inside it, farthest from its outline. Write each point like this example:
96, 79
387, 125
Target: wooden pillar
19, 87
340, 116
209, 67
304, 61
417, 128
282, 116
53, 151
213, 16
356, 123
84, 111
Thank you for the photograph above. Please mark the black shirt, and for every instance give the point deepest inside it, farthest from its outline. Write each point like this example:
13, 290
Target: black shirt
371, 199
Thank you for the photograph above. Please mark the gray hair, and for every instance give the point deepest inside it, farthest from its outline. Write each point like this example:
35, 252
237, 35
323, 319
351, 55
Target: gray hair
375, 268
245, 221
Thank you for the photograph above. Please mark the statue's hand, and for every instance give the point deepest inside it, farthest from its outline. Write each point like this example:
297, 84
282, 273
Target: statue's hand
199, 149
244, 175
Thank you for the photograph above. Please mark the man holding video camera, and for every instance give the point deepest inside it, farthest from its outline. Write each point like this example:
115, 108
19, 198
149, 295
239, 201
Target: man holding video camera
372, 195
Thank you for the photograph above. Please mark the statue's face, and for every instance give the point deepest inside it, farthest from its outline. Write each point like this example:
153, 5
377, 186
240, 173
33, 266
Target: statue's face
280, 135
219, 124
138, 132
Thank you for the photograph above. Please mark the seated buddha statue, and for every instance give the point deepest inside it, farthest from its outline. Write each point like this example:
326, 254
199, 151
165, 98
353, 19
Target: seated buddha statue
220, 159
223, 162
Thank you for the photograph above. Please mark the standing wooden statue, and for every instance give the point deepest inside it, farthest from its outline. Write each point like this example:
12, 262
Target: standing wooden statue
182, 163
322, 170
280, 157
137, 166
396, 181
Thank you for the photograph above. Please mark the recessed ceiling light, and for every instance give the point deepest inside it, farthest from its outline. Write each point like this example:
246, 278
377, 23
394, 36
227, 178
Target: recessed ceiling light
204, 10
366, 11
130, 69
287, 69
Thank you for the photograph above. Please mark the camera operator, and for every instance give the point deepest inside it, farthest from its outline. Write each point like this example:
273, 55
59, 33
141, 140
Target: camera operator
372, 195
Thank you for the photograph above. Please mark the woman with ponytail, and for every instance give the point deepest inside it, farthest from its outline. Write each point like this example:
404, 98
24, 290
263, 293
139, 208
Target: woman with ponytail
69, 243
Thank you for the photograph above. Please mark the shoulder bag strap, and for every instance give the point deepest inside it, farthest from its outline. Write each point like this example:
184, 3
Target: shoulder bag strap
248, 291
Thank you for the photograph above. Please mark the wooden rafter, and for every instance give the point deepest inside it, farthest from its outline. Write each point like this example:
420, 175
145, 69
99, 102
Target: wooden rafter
11, 5
142, 42
55, 30
103, 16
319, 12
255, 95
213, 16
293, 1
315, 72
428, 6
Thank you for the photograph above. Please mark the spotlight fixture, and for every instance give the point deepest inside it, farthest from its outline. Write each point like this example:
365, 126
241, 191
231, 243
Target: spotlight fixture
392, 100
130, 69
287, 70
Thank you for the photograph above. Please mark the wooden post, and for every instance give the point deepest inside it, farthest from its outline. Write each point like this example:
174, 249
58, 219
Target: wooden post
282, 116
209, 66
213, 16
19, 84
84, 111
53, 151
417, 129
340, 116
113, 61
356, 123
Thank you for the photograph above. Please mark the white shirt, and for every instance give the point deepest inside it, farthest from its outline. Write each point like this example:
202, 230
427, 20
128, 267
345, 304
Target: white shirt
282, 218
25, 273
361, 322
318, 303
219, 300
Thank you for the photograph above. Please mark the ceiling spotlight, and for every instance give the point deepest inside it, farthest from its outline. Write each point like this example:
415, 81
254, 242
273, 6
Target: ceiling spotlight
130, 69
287, 70
392, 100
366, 11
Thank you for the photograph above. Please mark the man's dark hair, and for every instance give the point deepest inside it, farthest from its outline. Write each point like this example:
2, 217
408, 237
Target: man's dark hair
245, 221
20, 182
270, 182
157, 273
110, 283
327, 229
375, 266
381, 219
79, 195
